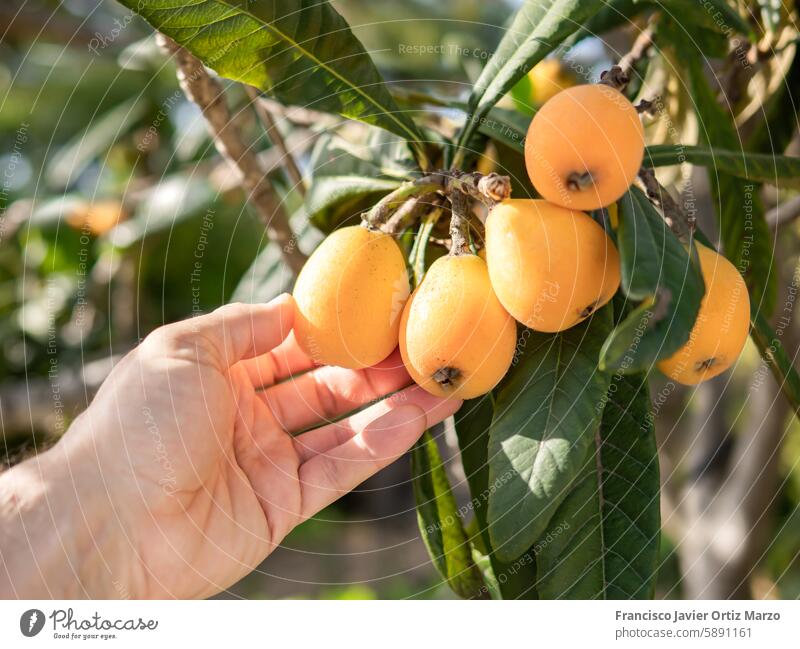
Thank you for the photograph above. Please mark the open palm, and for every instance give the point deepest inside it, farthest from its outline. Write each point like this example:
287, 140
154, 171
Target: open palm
201, 469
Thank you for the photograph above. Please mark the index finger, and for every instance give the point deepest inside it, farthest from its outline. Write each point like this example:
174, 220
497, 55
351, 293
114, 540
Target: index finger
231, 333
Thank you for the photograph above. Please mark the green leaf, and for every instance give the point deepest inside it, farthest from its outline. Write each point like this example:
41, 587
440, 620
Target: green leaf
780, 170
521, 94
711, 14
374, 153
484, 564
545, 414
708, 41
657, 269
603, 541
440, 523
539, 26
615, 13
331, 200
745, 235
472, 423
508, 127
299, 51
774, 354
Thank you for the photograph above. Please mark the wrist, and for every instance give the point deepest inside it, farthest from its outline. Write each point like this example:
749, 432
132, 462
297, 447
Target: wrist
57, 535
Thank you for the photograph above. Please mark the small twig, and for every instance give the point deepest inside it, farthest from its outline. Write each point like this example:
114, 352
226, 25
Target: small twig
783, 213
383, 209
488, 189
491, 188
647, 106
409, 212
679, 222
277, 140
639, 49
619, 76
615, 78
207, 93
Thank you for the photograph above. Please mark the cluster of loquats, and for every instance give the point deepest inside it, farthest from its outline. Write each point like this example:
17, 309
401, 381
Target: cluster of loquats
546, 264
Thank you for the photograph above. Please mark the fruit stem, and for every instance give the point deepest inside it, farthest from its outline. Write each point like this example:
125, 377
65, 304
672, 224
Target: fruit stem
417, 256
446, 376
615, 78
619, 76
381, 211
459, 223
489, 189
410, 212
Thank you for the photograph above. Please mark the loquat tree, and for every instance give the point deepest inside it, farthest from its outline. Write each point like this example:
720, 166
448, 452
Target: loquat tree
548, 311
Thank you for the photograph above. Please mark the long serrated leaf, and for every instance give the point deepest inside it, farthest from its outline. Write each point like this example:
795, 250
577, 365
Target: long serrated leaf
780, 170
439, 521
299, 51
603, 540
774, 354
472, 423
539, 26
658, 270
545, 414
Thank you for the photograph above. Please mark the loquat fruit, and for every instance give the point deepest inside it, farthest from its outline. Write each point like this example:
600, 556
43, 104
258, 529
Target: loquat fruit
720, 331
456, 339
550, 267
349, 296
584, 147
548, 78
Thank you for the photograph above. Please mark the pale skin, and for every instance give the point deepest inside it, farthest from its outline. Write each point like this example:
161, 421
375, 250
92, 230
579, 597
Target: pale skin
187, 468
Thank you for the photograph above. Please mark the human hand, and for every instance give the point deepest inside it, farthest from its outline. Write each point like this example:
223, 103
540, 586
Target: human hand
184, 474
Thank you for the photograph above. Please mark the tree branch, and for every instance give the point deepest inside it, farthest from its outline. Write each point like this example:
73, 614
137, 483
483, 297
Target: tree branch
459, 223
783, 212
681, 224
228, 138
276, 137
